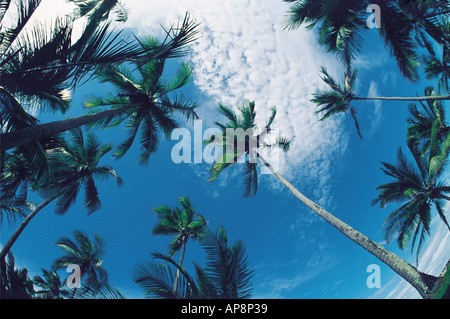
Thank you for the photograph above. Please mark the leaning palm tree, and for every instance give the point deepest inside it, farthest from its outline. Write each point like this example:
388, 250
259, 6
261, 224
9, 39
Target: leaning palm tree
77, 164
39, 68
180, 222
339, 99
422, 282
226, 274
87, 254
50, 285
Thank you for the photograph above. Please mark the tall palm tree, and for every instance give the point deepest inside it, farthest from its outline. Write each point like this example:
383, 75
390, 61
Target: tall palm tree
420, 184
338, 99
41, 69
422, 282
87, 254
50, 285
225, 276
180, 222
405, 26
147, 104
77, 164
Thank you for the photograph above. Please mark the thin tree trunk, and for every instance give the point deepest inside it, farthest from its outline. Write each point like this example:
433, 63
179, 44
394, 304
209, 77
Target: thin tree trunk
41, 131
177, 278
423, 283
399, 98
24, 224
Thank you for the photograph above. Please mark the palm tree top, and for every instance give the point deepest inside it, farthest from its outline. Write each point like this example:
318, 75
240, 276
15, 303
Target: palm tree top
244, 148
179, 221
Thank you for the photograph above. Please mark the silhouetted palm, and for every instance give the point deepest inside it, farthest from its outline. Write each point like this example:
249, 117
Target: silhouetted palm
76, 165
145, 101
225, 276
48, 64
339, 100
404, 26
86, 254
180, 222
50, 285
420, 184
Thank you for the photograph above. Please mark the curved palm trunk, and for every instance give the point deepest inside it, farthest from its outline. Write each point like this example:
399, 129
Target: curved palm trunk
423, 283
41, 131
24, 224
400, 98
177, 278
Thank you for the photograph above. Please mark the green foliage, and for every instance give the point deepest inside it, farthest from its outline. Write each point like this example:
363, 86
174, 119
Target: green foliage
240, 140
418, 184
87, 254
226, 274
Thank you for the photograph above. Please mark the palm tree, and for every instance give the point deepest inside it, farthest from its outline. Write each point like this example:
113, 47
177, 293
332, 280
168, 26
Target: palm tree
180, 222
419, 184
431, 120
15, 282
225, 276
44, 66
405, 26
77, 163
50, 285
87, 254
338, 99
146, 102
422, 282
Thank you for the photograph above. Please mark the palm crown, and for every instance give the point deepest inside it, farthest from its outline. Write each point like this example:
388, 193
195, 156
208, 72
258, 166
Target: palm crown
148, 103
76, 165
87, 254
225, 276
420, 185
240, 140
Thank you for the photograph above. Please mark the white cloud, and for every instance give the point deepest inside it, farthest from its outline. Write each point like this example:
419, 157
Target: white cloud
376, 117
244, 53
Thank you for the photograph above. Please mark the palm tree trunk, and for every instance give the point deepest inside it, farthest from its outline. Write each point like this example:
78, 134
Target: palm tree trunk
177, 278
400, 98
24, 224
37, 132
423, 283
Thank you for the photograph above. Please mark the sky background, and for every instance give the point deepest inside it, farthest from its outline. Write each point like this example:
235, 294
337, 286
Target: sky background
245, 54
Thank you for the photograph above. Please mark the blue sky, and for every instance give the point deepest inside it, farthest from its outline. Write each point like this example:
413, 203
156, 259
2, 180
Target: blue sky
245, 54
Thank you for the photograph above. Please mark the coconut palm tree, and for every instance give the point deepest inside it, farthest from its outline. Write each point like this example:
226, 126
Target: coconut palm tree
422, 282
405, 25
87, 254
147, 104
77, 164
420, 184
338, 99
15, 282
50, 285
425, 122
41, 68
225, 276
180, 222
